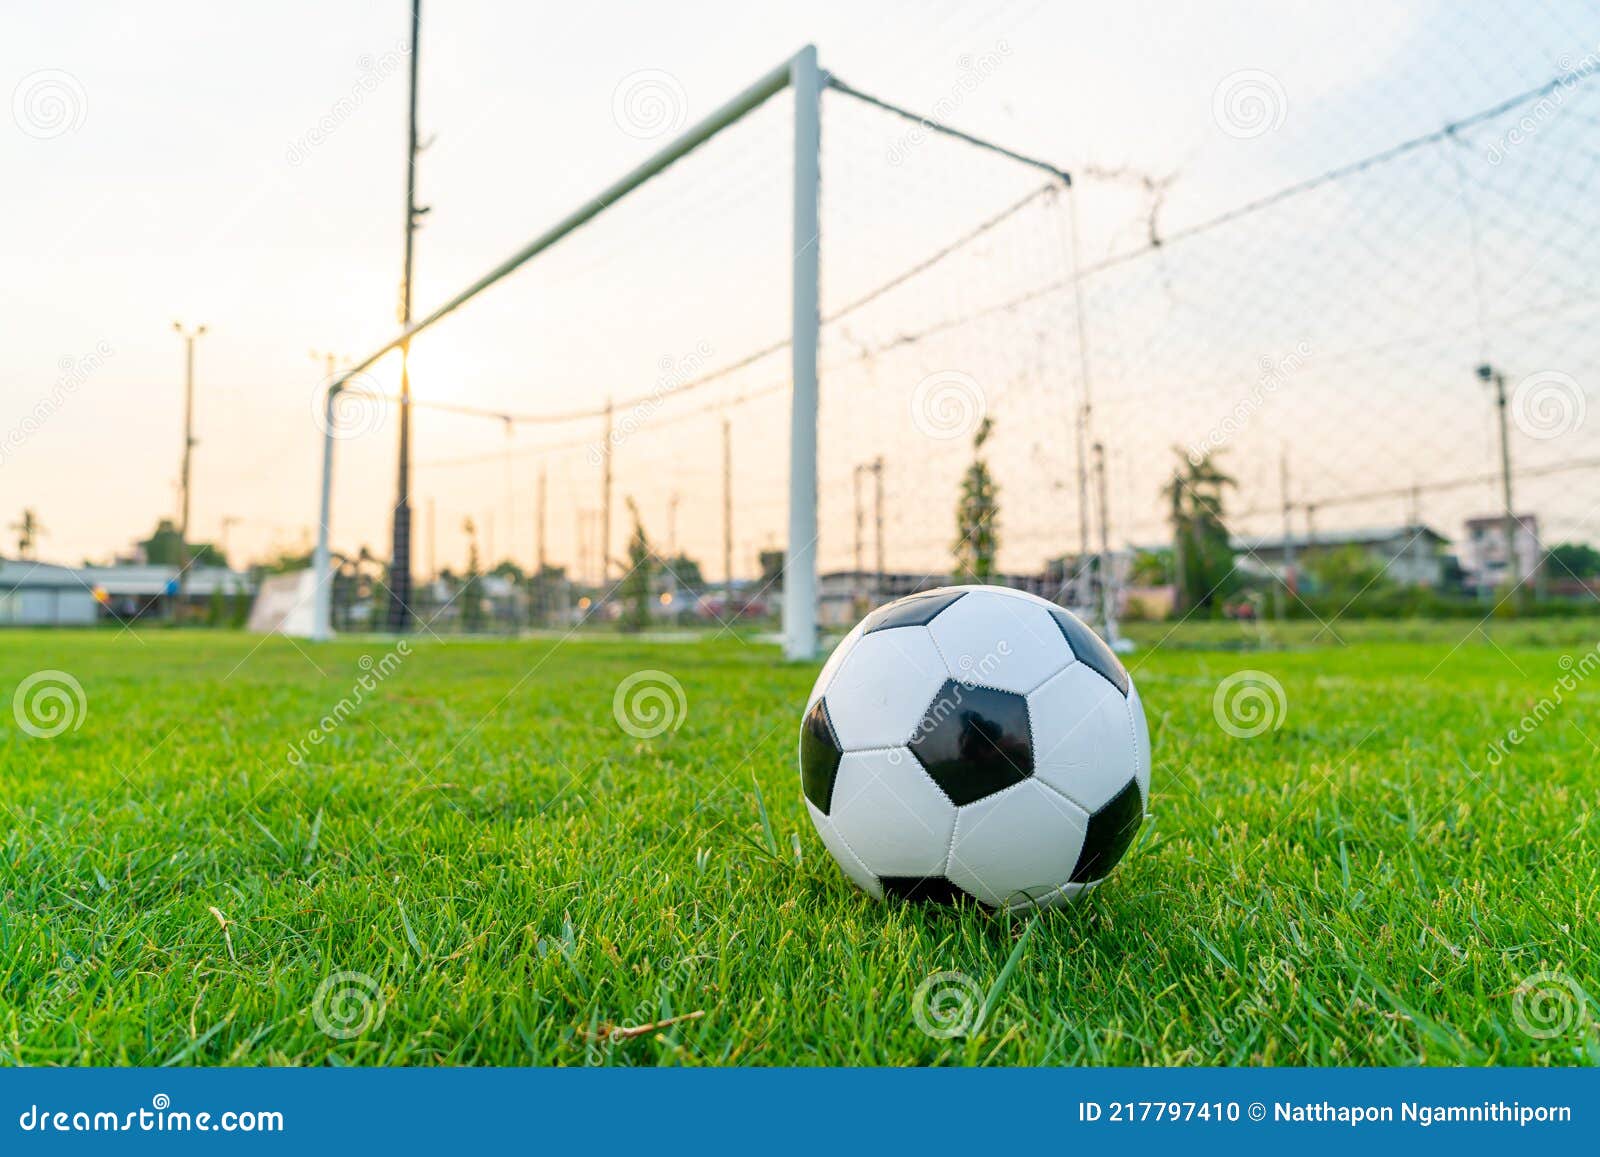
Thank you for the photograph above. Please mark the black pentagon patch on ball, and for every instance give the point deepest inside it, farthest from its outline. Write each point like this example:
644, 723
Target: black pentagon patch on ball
1091, 649
819, 756
923, 889
974, 741
911, 611
1111, 830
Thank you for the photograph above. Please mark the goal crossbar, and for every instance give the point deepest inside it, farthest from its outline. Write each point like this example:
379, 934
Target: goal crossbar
801, 73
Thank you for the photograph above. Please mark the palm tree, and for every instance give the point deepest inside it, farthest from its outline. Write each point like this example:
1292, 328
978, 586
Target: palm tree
977, 514
1202, 553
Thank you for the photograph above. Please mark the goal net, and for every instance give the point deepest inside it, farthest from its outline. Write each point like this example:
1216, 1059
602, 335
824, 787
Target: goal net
604, 436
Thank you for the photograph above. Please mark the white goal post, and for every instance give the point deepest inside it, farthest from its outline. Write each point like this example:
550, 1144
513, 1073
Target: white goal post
802, 74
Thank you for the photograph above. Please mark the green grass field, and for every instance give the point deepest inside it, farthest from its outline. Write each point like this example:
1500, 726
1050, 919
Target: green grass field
519, 881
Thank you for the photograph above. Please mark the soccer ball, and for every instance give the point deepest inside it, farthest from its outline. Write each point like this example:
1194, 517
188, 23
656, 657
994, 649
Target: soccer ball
975, 741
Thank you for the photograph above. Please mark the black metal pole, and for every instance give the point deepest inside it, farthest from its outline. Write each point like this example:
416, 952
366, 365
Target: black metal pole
399, 618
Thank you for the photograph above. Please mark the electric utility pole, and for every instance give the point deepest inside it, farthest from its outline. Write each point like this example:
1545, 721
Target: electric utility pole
1496, 378
190, 336
400, 546
861, 524
538, 552
1290, 580
1108, 594
727, 518
605, 500
877, 529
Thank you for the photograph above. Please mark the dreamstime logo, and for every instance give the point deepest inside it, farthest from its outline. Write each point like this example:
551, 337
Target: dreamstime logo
948, 404
1274, 376
374, 71
74, 373
49, 103
948, 1004
1548, 404
649, 703
972, 71
648, 103
348, 1004
1249, 103
358, 408
48, 703
1574, 672
1249, 703
1547, 1004
373, 674
675, 374
1544, 109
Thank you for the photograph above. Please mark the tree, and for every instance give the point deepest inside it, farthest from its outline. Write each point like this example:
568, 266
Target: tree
1151, 568
1574, 560
977, 514
686, 572
471, 598
771, 563
164, 547
1201, 546
636, 586
1345, 570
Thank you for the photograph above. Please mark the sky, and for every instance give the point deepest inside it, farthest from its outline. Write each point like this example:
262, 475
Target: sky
242, 166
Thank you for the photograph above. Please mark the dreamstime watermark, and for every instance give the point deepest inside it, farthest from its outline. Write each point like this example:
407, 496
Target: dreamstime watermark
1275, 373
1548, 404
649, 703
948, 1005
974, 673
74, 373
1574, 672
49, 103
1548, 1004
675, 373
358, 408
1249, 703
642, 1019
649, 103
373, 674
1543, 110
374, 70
160, 1117
948, 404
1271, 974
48, 703
971, 72
1249, 103
347, 1004
66, 987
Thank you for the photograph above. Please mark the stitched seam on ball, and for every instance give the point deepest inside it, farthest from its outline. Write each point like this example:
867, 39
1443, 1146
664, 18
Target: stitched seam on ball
1056, 674
950, 845
1133, 731
860, 863
1089, 812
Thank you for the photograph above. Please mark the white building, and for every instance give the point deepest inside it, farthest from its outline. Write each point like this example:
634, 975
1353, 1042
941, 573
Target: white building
1485, 559
39, 594
1411, 556
145, 591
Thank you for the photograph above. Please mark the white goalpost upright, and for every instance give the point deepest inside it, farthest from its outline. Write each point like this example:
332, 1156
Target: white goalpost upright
807, 81
800, 561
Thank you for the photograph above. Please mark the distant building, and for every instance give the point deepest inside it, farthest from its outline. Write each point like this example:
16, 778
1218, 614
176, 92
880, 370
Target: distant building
39, 594
839, 591
1410, 556
148, 591
1485, 558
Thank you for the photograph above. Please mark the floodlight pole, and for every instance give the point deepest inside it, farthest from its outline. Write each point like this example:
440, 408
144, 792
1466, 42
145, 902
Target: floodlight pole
800, 560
